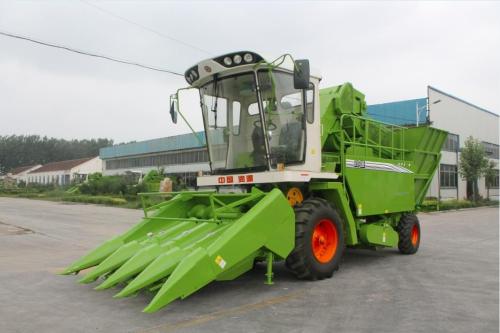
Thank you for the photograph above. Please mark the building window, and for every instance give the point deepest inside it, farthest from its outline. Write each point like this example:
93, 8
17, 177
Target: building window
448, 176
495, 181
451, 143
491, 150
177, 157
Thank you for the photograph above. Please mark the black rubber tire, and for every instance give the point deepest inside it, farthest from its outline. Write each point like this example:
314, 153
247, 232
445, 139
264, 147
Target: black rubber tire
302, 261
404, 229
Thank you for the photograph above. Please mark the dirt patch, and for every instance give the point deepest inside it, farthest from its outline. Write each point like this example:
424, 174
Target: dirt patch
9, 229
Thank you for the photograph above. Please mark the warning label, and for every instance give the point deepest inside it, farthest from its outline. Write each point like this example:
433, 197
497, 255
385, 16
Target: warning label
220, 261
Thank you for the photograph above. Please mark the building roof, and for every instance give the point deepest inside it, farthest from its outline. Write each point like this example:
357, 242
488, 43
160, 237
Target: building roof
177, 142
463, 101
20, 169
399, 113
61, 165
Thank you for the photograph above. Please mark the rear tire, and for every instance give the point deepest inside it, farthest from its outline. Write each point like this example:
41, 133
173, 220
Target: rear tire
319, 240
409, 234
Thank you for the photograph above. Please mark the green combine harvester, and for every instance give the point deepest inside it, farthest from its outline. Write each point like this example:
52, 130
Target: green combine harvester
298, 173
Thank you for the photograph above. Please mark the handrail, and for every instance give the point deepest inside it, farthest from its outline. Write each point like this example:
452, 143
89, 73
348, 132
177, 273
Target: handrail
380, 127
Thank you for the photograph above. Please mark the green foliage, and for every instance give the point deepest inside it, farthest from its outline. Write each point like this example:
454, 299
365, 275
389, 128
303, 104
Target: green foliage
10, 190
473, 163
95, 176
30, 195
104, 185
432, 204
39, 187
103, 200
21, 150
490, 174
132, 190
154, 176
58, 194
98, 184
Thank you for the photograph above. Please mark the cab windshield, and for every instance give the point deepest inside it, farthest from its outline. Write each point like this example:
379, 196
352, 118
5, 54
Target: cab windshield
235, 134
231, 114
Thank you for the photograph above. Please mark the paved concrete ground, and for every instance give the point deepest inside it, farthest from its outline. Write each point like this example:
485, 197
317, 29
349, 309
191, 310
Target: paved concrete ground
451, 285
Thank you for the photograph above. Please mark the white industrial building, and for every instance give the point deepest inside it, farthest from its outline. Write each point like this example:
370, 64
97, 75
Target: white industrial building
20, 174
181, 155
65, 172
461, 119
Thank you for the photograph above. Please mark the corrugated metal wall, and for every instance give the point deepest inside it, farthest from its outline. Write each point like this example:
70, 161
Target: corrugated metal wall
399, 113
178, 142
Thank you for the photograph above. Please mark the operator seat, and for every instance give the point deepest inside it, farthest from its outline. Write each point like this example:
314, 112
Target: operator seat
291, 140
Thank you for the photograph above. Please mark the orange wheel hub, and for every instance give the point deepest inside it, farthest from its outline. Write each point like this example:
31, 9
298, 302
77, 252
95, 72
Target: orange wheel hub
414, 235
324, 240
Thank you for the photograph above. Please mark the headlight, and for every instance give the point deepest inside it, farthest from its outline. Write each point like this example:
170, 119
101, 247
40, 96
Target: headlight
237, 59
248, 57
194, 74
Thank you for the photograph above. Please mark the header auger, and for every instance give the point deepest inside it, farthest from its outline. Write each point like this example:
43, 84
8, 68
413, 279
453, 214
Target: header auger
297, 174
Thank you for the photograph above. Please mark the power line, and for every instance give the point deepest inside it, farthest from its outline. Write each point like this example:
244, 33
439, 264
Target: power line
62, 47
156, 32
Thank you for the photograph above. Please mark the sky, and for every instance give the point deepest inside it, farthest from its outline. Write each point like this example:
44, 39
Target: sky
389, 50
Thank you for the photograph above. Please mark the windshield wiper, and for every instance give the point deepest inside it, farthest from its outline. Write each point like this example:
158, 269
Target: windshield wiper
216, 92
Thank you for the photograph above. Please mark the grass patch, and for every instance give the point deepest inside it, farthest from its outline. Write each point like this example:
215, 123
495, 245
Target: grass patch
128, 201
97, 199
432, 205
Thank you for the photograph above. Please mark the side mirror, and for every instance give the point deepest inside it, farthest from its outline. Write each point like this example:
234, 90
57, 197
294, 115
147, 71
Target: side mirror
301, 74
173, 109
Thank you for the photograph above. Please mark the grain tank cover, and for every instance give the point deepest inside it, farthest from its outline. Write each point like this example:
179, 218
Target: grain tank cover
335, 102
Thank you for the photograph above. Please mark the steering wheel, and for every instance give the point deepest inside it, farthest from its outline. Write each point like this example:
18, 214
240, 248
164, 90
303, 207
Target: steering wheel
270, 126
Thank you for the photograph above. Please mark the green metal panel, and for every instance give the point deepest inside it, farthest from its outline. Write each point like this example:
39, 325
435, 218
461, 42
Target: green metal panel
380, 192
374, 167
183, 244
424, 146
387, 168
334, 102
378, 234
334, 193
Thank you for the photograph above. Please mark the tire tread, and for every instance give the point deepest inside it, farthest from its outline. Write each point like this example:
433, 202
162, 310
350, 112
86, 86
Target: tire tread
404, 228
298, 261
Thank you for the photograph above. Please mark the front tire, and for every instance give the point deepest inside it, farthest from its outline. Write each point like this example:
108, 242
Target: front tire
319, 240
409, 234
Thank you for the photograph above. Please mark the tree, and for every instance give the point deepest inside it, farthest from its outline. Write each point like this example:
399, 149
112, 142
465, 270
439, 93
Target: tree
490, 176
23, 150
473, 163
